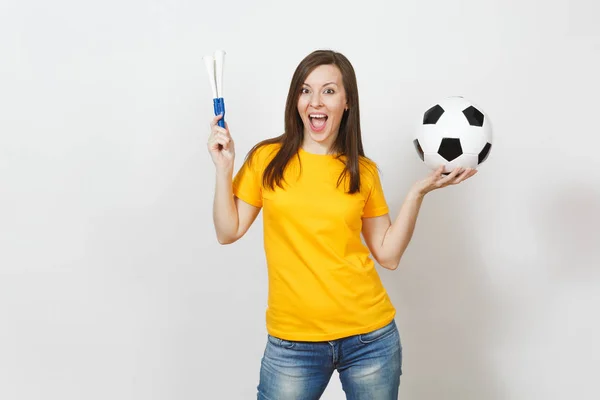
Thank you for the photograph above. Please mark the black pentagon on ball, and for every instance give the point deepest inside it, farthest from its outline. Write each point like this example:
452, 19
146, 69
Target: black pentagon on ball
483, 154
450, 148
432, 115
419, 149
474, 116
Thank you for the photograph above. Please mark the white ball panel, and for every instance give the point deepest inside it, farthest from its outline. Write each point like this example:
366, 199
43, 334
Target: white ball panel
465, 161
452, 124
429, 138
434, 161
453, 103
473, 140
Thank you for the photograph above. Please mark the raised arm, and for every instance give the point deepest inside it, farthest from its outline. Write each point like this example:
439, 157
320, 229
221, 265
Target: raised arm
231, 216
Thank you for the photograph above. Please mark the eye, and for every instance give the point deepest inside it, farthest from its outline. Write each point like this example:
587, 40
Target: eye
304, 91
329, 91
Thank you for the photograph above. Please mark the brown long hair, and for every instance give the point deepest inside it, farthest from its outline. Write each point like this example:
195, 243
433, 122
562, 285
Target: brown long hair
348, 144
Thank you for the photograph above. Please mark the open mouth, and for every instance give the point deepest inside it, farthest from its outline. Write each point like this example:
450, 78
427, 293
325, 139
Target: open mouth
317, 121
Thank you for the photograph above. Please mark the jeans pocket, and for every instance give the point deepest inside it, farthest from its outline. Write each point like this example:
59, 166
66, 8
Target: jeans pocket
284, 344
378, 334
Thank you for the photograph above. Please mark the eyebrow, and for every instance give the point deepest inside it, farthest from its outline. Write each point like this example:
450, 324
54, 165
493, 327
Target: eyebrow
328, 83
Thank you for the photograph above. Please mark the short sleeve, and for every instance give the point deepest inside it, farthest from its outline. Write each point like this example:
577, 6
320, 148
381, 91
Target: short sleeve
247, 182
375, 204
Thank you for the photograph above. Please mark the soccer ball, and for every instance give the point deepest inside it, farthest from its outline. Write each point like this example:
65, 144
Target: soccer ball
454, 133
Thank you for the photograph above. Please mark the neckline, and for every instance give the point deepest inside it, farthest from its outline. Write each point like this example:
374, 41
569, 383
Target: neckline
322, 156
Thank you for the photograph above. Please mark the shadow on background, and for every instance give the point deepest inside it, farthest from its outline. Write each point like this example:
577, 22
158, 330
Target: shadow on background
568, 224
447, 314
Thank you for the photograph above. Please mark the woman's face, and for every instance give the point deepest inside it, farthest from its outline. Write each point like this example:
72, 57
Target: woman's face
321, 106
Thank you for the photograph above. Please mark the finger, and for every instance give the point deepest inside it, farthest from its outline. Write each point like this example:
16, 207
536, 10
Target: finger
223, 137
436, 174
216, 119
217, 134
472, 173
220, 141
216, 129
451, 176
463, 175
469, 174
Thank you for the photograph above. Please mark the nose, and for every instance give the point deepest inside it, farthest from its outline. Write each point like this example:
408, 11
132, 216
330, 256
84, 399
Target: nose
315, 100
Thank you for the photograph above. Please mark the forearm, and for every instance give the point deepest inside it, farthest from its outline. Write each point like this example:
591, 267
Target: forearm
399, 234
225, 215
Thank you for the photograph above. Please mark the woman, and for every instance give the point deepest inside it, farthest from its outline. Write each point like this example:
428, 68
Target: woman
327, 309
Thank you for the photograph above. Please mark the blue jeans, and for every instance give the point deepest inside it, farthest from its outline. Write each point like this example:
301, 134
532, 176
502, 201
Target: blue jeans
369, 366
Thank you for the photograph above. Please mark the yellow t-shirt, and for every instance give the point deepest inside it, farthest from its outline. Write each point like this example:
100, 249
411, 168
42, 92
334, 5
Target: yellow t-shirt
323, 285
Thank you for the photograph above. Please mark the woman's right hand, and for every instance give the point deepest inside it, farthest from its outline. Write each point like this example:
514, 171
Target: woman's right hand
220, 145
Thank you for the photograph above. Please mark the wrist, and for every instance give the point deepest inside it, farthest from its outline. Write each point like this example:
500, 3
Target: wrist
224, 173
416, 193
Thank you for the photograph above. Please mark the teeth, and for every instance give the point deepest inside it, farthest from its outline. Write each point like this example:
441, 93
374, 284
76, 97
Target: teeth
318, 116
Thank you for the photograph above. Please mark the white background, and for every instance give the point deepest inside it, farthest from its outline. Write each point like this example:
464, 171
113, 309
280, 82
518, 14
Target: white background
112, 283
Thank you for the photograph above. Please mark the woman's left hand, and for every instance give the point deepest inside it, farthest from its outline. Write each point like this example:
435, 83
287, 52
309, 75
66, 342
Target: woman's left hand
436, 180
